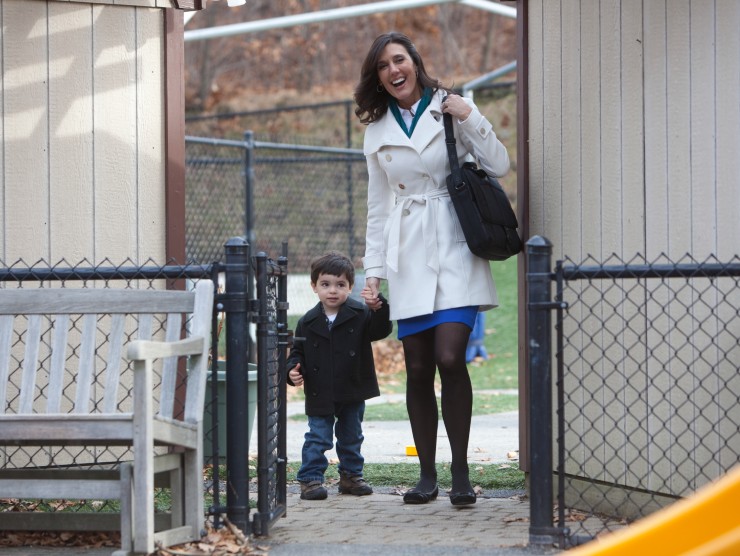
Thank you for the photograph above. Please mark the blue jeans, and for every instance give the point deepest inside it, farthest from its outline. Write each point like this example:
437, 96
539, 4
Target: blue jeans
346, 423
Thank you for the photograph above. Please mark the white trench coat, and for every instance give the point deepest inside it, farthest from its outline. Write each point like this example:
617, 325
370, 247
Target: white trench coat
414, 239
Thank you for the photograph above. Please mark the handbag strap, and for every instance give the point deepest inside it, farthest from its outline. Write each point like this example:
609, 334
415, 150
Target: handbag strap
452, 151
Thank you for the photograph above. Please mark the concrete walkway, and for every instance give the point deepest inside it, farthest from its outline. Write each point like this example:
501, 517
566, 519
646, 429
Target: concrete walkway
382, 524
498, 524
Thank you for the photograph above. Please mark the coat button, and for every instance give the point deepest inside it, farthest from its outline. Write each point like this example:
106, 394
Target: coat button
314, 393
350, 330
351, 353
482, 131
388, 157
401, 186
315, 344
406, 212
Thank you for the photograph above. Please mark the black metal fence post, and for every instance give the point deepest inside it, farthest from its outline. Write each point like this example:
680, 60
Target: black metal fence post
249, 229
237, 391
539, 350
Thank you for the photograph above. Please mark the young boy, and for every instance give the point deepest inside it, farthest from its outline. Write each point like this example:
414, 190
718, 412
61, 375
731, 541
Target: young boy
333, 360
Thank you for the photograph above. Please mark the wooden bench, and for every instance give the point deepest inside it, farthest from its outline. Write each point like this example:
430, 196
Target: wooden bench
100, 369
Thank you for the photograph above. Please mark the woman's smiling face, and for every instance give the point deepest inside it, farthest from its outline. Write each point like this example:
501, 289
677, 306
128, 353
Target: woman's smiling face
397, 74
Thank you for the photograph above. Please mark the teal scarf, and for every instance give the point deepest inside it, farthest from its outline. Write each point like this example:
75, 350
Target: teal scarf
425, 100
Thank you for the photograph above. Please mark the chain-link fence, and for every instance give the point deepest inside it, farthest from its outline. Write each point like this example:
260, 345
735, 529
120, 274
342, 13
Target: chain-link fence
329, 124
315, 198
647, 386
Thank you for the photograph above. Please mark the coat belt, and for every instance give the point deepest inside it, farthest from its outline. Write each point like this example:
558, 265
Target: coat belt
428, 227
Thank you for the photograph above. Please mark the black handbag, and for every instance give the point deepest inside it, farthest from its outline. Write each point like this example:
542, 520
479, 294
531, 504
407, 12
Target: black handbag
486, 217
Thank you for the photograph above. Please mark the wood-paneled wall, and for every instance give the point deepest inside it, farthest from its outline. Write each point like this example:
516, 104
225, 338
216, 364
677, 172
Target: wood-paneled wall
82, 167
634, 129
634, 126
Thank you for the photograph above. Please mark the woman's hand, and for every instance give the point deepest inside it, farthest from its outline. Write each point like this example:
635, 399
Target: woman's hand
456, 107
370, 293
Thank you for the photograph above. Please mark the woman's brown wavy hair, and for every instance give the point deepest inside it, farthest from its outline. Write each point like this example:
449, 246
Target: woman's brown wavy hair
371, 103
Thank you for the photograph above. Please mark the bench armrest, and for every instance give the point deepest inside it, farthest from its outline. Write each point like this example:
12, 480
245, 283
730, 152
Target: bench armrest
140, 350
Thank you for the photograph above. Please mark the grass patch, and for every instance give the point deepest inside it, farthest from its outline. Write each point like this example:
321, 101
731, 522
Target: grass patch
404, 475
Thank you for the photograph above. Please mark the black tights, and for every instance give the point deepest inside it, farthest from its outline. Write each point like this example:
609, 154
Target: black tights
442, 347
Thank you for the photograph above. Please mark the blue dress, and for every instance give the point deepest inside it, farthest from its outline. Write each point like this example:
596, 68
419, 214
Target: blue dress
413, 325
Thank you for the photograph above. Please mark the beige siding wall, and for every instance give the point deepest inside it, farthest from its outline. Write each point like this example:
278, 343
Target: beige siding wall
634, 126
634, 130
83, 155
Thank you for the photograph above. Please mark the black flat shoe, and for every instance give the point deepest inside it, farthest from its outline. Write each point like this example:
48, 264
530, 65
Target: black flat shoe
416, 496
462, 498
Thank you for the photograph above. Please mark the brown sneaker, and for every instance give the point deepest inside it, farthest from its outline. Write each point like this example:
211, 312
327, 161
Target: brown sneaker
354, 484
313, 490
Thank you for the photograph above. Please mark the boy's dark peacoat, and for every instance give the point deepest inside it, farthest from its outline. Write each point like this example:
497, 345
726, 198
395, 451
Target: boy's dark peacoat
337, 365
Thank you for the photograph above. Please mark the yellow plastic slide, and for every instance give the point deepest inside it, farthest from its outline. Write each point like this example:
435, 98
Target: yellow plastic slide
707, 523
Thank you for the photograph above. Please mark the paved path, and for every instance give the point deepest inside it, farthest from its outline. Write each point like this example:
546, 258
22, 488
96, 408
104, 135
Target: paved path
498, 524
382, 524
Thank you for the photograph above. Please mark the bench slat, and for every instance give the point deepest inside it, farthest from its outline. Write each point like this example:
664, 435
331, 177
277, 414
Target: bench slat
169, 368
86, 368
54, 489
145, 326
58, 358
113, 364
6, 333
104, 301
196, 388
66, 429
30, 359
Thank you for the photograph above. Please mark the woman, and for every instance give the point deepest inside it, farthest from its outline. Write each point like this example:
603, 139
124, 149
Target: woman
436, 285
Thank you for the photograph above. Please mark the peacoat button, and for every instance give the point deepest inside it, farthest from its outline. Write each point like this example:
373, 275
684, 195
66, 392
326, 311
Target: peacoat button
351, 330
388, 157
406, 212
401, 186
314, 393
351, 353
315, 344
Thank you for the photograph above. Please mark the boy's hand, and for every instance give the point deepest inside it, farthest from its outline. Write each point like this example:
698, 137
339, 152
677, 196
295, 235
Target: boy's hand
295, 375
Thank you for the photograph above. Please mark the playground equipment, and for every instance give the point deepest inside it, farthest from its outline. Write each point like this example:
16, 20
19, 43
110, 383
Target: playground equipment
706, 523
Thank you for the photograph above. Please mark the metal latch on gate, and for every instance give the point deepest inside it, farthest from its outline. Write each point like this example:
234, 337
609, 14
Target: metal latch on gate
232, 302
547, 305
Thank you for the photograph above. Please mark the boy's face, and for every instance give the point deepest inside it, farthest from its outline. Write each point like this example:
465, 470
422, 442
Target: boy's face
332, 290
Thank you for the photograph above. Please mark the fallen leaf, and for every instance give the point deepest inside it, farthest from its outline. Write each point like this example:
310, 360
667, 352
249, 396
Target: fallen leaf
516, 520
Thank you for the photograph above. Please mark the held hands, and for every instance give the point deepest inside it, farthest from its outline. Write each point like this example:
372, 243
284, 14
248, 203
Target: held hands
370, 294
295, 375
456, 107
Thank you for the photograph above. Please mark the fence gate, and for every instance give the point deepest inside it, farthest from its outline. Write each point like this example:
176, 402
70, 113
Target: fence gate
265, 311
272, 343
646, 391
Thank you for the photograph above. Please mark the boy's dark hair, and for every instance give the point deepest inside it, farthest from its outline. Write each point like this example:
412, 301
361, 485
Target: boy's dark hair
334, 263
